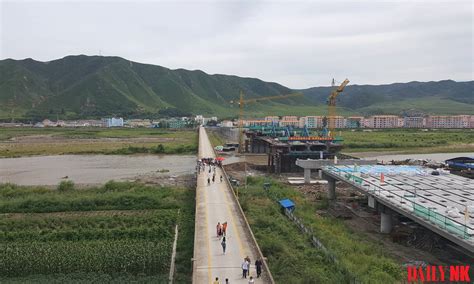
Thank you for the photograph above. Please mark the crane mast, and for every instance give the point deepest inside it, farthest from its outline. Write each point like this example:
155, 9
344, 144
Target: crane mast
332, 105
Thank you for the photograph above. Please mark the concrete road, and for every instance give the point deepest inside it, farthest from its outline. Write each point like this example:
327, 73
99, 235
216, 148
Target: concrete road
215, 203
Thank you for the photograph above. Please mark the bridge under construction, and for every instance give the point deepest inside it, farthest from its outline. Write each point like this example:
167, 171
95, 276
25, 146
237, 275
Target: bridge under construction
443, 204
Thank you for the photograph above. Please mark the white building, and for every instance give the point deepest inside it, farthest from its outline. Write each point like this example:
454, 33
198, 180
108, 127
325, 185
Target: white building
311, 122
114, 122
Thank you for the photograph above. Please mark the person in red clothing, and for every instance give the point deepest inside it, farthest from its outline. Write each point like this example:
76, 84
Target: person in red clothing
224, 228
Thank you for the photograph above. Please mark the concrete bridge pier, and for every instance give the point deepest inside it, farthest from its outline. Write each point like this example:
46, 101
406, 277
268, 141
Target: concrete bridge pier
331, 189
307, 175
386, 222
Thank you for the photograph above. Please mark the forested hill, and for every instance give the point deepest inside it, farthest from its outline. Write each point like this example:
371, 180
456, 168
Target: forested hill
95, 86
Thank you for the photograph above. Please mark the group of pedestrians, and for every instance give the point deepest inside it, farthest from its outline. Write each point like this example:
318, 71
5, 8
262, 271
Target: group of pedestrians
246, 270
209, 162
246, 267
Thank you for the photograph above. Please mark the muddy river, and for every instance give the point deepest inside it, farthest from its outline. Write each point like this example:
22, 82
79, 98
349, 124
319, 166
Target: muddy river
90, 169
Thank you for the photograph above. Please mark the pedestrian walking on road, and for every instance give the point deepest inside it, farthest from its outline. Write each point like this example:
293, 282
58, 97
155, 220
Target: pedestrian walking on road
219, 229
221, 178
217, 281
245, 268
249, 261
251, 281
227, 281
223, 244
213, 177
258, 266
208, 181
224, 228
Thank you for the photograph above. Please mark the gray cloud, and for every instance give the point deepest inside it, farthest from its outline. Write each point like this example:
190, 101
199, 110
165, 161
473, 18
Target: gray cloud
298, 44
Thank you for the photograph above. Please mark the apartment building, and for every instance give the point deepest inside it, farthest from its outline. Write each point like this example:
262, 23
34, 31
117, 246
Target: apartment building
255, 122
273, 119
339, 122
449, 121
311, 122
292, 121
354, 122
382, 121
414, 122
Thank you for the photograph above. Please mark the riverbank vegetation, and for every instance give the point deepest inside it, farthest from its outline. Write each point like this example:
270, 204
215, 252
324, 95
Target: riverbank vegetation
408, 141
291, 256
17, 142
119, 232
215, 138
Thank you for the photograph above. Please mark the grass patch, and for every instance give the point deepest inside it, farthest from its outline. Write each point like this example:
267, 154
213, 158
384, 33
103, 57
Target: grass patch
408, 140
291, 257
119, 232
215, 138
17, 142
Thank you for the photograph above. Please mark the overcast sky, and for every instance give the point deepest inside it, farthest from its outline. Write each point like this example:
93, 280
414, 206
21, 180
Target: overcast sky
298, 44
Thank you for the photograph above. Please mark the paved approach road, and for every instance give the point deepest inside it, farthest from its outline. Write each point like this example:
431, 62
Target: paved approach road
216, 203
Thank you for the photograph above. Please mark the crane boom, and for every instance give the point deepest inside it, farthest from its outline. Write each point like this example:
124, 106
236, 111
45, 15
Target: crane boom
332, 105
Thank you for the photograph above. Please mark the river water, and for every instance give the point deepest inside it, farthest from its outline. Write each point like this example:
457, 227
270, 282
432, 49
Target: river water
90, 169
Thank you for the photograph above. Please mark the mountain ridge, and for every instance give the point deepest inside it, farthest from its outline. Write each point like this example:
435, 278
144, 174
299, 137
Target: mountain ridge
81, 86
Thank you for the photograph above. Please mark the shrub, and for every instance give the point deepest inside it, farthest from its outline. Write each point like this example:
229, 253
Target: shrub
66, 185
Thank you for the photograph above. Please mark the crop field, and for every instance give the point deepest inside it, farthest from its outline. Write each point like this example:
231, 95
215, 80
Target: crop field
408, 140
119, 232
16, 142
292, 258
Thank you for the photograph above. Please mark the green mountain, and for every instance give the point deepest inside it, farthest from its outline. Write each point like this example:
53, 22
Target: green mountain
95, 86
443, 97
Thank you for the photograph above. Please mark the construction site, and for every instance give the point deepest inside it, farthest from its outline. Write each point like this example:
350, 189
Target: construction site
421, 215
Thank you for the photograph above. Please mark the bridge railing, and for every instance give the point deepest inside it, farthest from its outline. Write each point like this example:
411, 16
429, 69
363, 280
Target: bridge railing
242, 214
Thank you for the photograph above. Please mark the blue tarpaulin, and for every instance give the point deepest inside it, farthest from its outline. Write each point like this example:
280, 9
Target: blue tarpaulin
287, 204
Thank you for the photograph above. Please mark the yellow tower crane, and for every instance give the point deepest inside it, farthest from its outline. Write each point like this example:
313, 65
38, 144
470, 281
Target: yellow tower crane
242, 102
332, 106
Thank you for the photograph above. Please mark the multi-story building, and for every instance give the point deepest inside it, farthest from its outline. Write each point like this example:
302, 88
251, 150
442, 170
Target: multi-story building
310, 121
465, 121
382, 121
176, 123
448, 121
413, 122
273, 119
255, 122
354, 122
114, 122
339, 121
226, 123
292, 121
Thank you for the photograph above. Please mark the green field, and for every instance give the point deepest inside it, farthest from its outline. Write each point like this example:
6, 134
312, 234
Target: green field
291, 257
16, 142
408, 140
120, 232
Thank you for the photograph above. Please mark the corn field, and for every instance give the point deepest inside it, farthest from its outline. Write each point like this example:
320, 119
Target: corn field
118, 231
